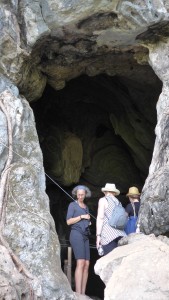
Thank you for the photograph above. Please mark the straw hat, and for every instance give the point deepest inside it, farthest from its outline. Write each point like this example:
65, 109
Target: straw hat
110, 187
81, 187
133, 191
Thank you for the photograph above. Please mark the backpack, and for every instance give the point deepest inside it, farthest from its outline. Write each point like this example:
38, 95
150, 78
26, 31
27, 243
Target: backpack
132, 222
119, 217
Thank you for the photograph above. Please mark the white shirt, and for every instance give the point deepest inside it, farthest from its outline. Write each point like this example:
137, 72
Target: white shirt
108, 233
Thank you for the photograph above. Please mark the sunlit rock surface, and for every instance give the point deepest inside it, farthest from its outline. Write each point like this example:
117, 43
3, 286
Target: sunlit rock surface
141, 259
26, 221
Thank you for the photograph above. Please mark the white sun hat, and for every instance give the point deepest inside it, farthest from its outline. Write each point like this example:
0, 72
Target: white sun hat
110, 187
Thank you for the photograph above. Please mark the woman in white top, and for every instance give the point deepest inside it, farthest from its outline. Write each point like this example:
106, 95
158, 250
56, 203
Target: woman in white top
107, 236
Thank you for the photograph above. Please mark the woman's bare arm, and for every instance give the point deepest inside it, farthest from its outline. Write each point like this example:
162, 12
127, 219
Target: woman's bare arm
72, 221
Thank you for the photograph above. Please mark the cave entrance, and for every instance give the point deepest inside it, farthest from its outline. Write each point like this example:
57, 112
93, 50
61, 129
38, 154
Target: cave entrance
96, 130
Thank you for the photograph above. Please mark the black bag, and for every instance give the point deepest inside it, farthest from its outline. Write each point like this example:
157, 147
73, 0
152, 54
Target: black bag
119, 217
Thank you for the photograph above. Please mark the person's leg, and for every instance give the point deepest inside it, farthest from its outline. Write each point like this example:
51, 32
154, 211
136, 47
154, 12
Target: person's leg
85, 276
86, 266
80, 263
77, 243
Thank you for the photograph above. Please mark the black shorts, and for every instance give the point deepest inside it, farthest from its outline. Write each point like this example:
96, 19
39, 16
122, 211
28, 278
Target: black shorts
112, 245
80, 245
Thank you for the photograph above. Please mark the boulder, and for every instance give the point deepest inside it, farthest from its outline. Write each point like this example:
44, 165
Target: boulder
138, 269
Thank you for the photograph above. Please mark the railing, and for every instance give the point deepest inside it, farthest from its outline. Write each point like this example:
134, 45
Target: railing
68, 265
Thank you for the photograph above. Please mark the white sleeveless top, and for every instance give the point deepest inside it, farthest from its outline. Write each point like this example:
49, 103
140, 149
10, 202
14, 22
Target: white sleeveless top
108, 233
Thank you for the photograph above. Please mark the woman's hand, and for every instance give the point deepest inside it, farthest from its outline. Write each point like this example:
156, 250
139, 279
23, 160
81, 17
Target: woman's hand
85, 217
98, 240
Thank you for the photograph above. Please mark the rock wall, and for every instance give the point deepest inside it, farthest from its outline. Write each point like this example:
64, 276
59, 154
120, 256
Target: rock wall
26, 224
155, 195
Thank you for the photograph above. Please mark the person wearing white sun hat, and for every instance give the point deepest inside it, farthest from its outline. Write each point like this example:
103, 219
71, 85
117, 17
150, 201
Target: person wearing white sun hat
107, 236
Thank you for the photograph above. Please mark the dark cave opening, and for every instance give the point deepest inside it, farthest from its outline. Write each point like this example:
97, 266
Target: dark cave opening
98, 116
96, 130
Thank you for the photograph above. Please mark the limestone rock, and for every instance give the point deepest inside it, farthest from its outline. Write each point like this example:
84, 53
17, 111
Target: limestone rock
155, 200
63, 155
82, 297
33, 34
13, 284
29, 227
53, 42
137, 270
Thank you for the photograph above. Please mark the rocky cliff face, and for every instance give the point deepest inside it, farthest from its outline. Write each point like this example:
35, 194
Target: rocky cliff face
92, 73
